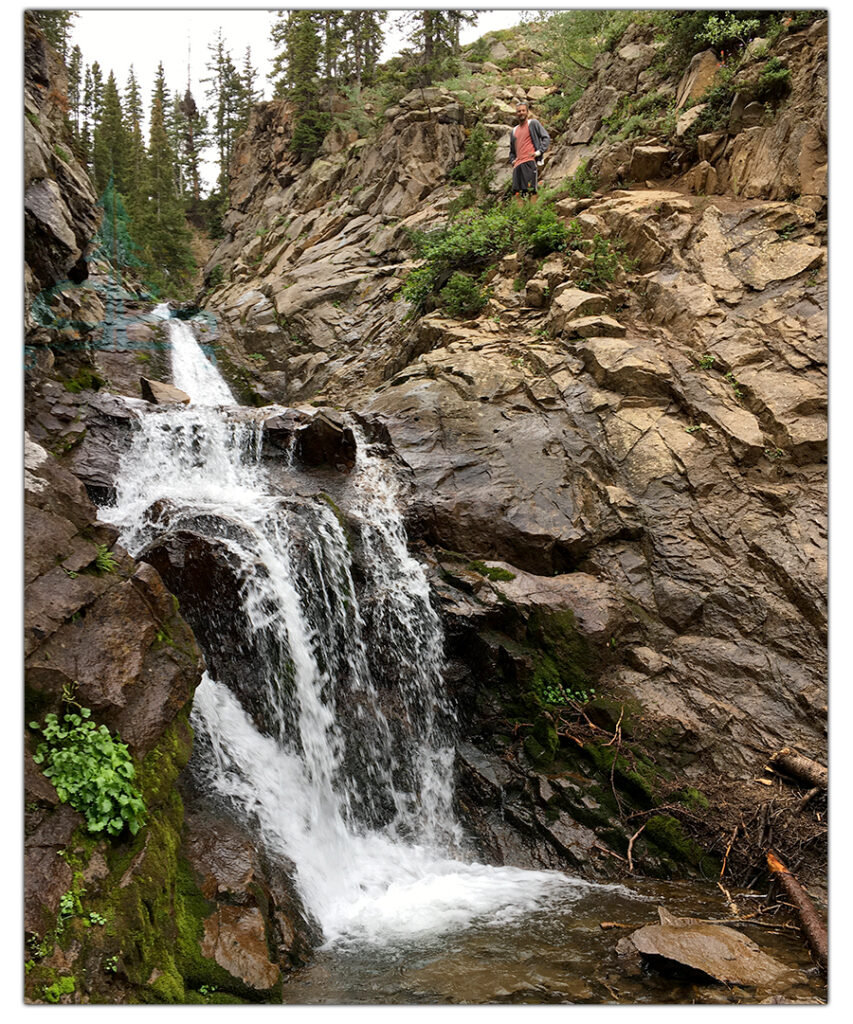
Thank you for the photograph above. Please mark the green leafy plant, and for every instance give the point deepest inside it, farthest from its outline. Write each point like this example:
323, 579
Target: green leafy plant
706, 362
694, 429
33, 119
606, 259
558, 695
111, 964
105, 560
582, 183
462, 296
62, 154
476, 168
91, 771
216, 276
729, 31
478, 238
736, 385
774, 82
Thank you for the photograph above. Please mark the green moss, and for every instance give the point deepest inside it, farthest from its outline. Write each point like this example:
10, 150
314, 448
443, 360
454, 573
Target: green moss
333, 505
695, 799
667, 833
63, 986
491, 572
85, 379
541, 745
563, 655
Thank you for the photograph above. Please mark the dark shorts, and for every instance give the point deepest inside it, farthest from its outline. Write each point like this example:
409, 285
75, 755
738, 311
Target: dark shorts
524, 177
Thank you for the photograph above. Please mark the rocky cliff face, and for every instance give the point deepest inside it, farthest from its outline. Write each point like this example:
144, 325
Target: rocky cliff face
60, 216
665, 439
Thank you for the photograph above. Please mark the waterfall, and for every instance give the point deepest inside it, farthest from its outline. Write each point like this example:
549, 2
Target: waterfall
357, 796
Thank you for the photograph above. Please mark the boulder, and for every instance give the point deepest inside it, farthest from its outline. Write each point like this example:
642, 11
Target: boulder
162, 394
648, 162
687, 119
568, 303
699, 76
325, 442
717, 951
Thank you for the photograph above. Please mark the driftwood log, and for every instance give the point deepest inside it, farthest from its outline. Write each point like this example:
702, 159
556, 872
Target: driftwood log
800, 767
812, 926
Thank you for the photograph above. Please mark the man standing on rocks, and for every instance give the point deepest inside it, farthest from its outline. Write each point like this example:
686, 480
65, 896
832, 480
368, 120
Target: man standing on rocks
527, 143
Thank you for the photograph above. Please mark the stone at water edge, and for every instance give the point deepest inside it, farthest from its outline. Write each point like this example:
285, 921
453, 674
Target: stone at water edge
718, 951
162, 394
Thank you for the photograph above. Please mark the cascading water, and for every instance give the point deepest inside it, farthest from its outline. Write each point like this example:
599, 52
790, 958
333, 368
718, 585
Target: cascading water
359, 800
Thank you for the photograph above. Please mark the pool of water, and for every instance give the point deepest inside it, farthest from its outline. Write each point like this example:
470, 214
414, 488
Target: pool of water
552, 955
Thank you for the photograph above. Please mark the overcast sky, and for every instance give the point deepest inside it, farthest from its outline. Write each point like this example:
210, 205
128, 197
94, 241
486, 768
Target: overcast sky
120, 37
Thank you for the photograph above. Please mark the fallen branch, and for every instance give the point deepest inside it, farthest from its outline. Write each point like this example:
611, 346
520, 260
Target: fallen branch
617, 732
800, 767
812, 926
729, 850
631, 846
812, 793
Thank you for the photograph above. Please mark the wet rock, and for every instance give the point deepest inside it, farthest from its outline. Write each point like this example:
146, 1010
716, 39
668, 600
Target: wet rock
258, 927
325, 442
162, 394
722, 953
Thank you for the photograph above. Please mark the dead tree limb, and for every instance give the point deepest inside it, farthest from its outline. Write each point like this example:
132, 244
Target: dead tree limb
800, 767
631, 846
810, 923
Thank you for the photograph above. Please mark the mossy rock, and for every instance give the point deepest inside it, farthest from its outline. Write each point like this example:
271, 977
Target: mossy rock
667, 834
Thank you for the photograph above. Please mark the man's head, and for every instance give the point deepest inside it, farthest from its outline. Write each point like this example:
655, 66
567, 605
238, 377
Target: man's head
522, 112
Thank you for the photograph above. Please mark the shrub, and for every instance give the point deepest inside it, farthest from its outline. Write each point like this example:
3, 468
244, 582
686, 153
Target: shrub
728, 32
309, 132
774, 82
462, 296
91, 771
216, 276
605, 260
582, 183
478, 238
546, 233
476, 166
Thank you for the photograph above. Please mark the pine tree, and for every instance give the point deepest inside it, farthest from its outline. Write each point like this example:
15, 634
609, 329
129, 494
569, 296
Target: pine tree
136, 157
56, 26
298, 65
251, 95
109, 143
227, 108
163, 232
435, 36
192, 138
75, 90
361, 39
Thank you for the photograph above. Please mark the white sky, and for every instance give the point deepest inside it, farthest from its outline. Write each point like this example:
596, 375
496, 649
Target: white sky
120, 37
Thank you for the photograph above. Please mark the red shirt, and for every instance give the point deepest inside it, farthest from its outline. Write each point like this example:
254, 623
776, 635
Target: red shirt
525, 151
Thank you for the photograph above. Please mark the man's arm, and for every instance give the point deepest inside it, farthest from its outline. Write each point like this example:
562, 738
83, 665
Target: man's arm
544, 137
512, 145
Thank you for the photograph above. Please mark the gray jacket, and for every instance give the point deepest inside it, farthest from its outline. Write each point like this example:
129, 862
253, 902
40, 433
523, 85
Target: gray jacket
538, 136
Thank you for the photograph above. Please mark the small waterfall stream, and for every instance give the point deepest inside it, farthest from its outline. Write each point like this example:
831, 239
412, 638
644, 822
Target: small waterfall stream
359, 799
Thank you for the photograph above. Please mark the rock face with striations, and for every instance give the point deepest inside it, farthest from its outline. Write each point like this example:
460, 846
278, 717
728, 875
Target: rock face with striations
59, 202
667, 437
